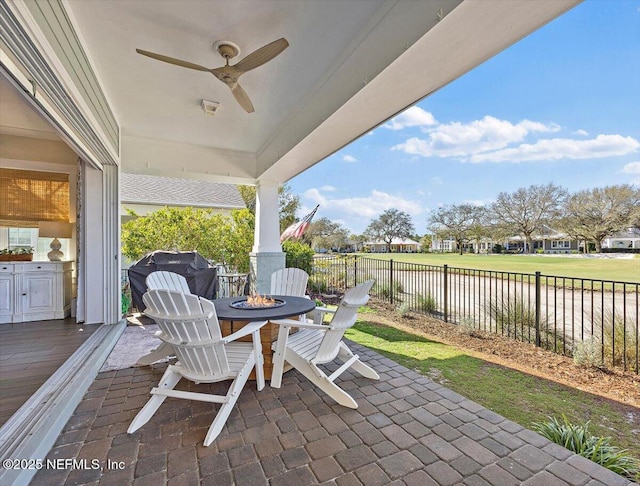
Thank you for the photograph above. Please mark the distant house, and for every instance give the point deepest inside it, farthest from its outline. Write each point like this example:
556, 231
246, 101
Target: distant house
145, 194
443, 245
546, 240
398, 245
629, 239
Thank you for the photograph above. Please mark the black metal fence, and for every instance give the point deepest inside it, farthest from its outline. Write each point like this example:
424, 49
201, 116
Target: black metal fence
592, 320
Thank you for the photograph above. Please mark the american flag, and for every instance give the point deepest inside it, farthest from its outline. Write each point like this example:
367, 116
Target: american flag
297, 229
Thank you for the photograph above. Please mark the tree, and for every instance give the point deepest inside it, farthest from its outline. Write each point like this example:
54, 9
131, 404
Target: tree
288, 203
324, 233
524, 211
389, 225
634, 217
358, 241
426, 241
288, 206
594, 214
216, 237
460, 222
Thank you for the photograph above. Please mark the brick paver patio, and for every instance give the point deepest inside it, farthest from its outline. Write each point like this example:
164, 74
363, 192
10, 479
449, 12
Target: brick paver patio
407, 430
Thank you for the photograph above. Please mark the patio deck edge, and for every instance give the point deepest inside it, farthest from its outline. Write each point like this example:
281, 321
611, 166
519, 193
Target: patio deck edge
31, 432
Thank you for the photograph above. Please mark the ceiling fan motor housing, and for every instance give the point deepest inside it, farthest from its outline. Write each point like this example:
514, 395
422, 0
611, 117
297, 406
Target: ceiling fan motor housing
227, 49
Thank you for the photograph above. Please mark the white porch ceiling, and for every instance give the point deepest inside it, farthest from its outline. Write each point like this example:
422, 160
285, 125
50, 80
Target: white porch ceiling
350, 66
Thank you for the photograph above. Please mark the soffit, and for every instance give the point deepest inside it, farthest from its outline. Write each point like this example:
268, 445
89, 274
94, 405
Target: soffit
350, 66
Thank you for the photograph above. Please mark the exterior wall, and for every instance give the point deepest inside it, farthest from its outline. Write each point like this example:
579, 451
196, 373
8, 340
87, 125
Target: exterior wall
631, 243
560, 246
381, 247
443, 245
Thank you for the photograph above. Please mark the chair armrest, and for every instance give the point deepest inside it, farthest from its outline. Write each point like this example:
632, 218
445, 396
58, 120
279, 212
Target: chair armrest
300, 324
178, 317
319, 313
244, 331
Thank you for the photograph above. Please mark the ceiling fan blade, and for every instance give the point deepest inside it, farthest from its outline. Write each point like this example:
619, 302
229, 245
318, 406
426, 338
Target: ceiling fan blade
172, 60
258, 57
242, 98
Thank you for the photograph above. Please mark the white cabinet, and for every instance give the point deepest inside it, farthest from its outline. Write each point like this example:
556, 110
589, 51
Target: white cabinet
35, 291
7, 293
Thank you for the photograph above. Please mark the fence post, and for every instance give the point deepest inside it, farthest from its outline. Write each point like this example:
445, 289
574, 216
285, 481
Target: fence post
391, 280
445, 286
346, 274
538, 309
355, 270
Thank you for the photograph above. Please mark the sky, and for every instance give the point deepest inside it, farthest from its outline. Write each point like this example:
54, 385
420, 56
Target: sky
562, 106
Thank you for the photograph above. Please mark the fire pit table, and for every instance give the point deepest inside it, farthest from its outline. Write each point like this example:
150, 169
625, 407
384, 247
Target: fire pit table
233, 313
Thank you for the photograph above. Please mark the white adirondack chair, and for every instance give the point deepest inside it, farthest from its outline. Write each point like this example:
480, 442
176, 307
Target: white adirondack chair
289, 281
167, 281
190, 326
316, 344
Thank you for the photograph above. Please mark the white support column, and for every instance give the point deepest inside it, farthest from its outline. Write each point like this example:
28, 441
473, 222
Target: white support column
267, 255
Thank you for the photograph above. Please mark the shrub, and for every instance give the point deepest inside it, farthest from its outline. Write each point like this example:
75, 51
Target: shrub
426, 303
403, 309
619, 340
318, 285
467, 326
298, 255
385, 290
578, 439
511, 314
588, 353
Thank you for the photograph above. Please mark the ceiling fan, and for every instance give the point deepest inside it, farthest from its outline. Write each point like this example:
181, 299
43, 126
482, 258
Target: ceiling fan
229, 74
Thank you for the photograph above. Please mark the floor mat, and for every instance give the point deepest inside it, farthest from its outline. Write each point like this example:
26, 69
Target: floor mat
135, 342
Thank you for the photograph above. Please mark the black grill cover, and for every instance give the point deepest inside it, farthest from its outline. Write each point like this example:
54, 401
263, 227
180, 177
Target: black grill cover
200, 275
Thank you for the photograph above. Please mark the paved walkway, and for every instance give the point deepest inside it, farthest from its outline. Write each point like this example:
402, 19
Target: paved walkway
407, 430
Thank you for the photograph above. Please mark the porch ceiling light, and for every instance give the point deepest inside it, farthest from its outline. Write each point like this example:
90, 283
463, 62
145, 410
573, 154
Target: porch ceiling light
209, 107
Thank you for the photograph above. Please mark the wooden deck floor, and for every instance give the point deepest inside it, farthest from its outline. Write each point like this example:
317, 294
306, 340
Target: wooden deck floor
30, 352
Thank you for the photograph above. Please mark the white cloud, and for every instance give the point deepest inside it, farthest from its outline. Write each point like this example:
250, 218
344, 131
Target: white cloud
349, 158
357, 212
581, 132
412, 117
437, 180
328, 188
464, 139
563, 148
631, 168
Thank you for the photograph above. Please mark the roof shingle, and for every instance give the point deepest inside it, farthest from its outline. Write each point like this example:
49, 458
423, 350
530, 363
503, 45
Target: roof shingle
167, 191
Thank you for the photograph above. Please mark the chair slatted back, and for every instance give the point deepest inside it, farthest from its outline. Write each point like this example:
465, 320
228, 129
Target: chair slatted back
345, 317
167, 280
289, 281
190, 325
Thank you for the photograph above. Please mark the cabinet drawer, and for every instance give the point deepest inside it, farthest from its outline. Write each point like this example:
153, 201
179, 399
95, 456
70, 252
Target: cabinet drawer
7, 268
40, 267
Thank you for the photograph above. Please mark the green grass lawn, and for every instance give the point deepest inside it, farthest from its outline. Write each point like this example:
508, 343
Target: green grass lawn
515, 395
625, 270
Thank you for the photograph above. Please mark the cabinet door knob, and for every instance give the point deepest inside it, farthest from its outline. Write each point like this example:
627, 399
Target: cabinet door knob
24, 293
39, 267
